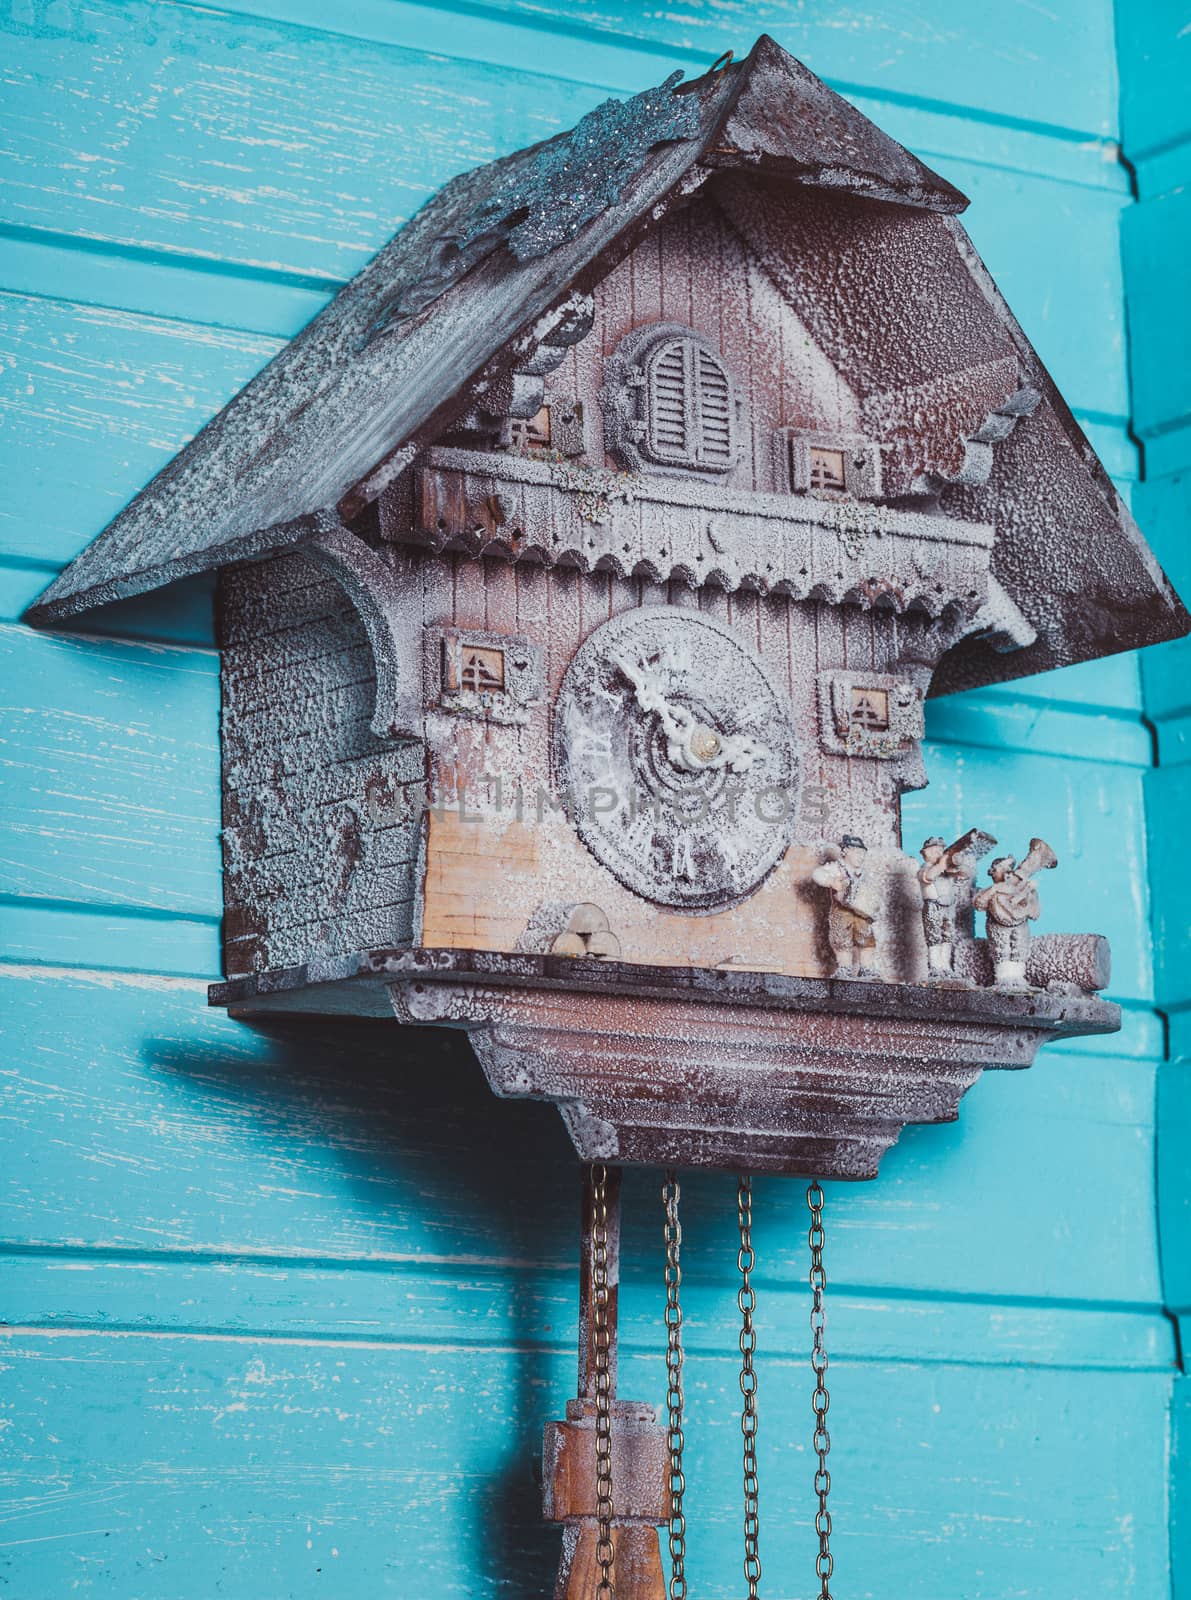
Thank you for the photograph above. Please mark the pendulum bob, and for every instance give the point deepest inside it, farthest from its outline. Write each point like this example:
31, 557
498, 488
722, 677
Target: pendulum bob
640, 1498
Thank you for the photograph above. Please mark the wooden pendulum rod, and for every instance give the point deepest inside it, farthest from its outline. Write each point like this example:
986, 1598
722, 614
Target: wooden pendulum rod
605, 1470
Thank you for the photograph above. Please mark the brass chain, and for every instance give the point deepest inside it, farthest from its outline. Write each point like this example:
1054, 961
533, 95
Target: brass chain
605, 1550
746, 1299
674, 1434
818, 1280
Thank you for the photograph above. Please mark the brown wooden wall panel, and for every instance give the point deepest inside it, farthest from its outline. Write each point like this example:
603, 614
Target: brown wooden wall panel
320, 844
696, 270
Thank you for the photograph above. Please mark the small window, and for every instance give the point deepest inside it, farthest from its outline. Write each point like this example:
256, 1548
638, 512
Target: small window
474, 667
870, 709
819, 462
526, 433
827, 468
690, 408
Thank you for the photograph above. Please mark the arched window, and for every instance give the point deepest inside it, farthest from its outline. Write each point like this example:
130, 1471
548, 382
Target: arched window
689, 407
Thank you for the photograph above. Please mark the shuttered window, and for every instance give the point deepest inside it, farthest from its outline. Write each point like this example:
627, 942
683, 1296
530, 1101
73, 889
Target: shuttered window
690, 418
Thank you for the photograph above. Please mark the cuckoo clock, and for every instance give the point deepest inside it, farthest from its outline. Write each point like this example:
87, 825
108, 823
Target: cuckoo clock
583, 570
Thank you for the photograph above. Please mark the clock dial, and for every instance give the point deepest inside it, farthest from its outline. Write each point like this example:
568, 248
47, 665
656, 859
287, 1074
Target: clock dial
676, 757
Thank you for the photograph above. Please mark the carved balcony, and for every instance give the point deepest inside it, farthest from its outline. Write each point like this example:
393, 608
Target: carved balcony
558, 512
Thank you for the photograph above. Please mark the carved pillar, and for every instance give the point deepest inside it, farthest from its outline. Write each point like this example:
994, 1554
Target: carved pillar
640, 1497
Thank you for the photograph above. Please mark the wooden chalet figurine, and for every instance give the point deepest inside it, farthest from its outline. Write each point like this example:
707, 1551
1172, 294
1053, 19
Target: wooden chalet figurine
584, 567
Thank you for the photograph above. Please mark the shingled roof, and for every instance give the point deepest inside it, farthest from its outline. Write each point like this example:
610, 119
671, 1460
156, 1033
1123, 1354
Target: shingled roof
411, 341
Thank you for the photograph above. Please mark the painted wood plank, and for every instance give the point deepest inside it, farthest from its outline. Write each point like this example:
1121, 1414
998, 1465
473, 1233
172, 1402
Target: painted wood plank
288, 151
109, 938
1154, 46
1173, 1192
1168, 805
90, 273
1180, 1491
1168, 450
999, 723
206, 154
1174, 735
411, 1306
146, 188
1156, 237
94, 403
112, 788
1113, 683
232, 1139
990, 60
284, 1468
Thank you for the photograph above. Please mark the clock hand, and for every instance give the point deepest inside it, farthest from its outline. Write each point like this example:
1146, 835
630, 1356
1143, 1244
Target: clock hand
692, 746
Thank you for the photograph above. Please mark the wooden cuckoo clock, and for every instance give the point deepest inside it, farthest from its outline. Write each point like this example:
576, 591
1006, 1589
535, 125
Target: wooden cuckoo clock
584, 568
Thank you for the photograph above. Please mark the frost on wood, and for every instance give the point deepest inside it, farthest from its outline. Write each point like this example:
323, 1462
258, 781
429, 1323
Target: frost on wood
861, 243
588, 563
653, 720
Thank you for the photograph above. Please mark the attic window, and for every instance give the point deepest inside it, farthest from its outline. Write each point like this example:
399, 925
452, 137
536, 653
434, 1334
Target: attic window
689, 419
669, 400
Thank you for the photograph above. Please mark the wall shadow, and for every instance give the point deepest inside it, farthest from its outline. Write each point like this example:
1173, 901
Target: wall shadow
421, 1147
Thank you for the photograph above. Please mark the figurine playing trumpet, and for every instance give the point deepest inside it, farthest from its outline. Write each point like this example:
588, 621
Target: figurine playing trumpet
945, 879
1010, 904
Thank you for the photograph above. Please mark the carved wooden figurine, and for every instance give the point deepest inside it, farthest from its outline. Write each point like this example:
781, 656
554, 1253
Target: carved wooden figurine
852, 912
945, 879
583, 571
1010, 904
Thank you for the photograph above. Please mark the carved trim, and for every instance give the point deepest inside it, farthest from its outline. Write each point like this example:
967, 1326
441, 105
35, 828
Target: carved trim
1001, 621
695, 531
522, 677
861, 462
520, 390
977, 464
843, 734
386, 608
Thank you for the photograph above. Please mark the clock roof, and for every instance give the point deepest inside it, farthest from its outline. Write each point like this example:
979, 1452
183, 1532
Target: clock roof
842, 216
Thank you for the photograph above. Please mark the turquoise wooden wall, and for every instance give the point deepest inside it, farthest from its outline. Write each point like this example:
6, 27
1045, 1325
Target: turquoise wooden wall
1155, 60
286, 1308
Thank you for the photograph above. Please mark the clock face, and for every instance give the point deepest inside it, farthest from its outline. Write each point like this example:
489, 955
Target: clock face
676, 757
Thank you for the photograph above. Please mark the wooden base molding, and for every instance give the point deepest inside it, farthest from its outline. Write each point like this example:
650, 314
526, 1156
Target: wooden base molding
665, 1066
